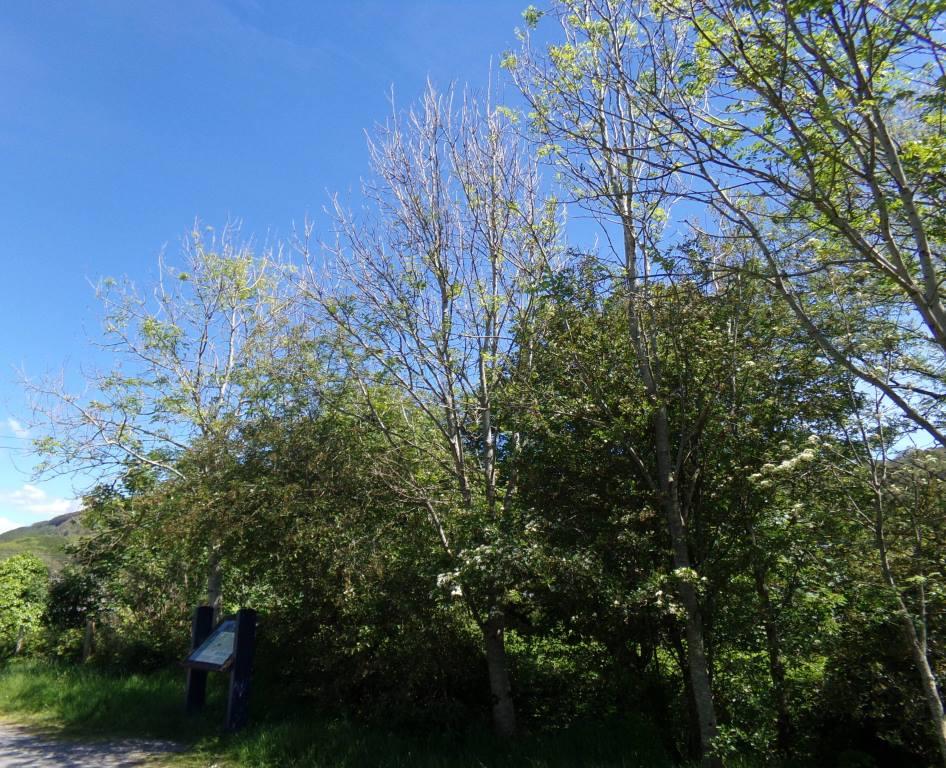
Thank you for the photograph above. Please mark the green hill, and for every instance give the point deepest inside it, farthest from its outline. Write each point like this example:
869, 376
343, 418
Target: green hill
46, 540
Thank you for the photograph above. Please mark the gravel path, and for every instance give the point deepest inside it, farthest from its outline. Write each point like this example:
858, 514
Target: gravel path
24, 748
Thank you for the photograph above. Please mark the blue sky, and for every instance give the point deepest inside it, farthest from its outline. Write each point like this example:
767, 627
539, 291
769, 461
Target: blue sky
121, 121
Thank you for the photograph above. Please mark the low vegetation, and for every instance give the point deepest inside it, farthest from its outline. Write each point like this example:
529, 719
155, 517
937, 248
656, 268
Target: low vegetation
90, 703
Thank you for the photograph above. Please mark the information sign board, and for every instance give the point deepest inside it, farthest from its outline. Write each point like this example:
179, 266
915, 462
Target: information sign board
229, 648
216, 652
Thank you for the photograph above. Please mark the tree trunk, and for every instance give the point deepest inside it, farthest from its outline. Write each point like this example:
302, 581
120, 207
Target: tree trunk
215, 584
783, 723
699, 672
696, 651
918, 650
670, 498
934, 701
88, 640
693, 746
504, 712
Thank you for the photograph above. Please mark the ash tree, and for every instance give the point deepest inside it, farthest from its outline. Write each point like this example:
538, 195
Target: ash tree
184, 363
809, 131
432, 289
587, 117
815, 131
896, 498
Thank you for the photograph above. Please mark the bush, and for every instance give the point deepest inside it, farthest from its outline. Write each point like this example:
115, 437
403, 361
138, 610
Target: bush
24, 581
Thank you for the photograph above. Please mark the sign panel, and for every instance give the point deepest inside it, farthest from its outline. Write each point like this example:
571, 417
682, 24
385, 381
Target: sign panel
217, 650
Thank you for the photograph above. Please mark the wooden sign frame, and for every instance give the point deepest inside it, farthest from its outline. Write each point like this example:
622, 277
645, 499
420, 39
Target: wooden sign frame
239, 663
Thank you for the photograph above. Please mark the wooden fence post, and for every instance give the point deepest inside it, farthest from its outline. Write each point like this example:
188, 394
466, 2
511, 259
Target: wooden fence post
201, 628
245, 642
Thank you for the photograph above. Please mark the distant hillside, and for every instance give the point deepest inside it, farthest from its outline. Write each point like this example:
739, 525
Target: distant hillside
46, 540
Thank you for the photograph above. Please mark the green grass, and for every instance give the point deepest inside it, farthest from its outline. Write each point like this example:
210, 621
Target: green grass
86, 703
338, 744
83, 701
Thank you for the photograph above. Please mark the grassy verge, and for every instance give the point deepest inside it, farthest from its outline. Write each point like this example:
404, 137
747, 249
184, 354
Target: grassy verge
82, 702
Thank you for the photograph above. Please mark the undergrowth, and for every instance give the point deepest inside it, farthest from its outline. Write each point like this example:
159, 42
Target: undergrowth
83, 702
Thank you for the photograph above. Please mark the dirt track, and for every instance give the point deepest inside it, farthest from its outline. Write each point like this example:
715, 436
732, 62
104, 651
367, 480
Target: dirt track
24, 748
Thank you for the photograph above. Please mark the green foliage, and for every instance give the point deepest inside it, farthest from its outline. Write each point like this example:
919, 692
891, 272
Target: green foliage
462, 434
23, 584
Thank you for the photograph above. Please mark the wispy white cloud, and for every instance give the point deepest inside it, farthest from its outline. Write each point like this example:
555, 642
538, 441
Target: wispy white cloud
227, 29
6, 524
35, 501
17, 428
